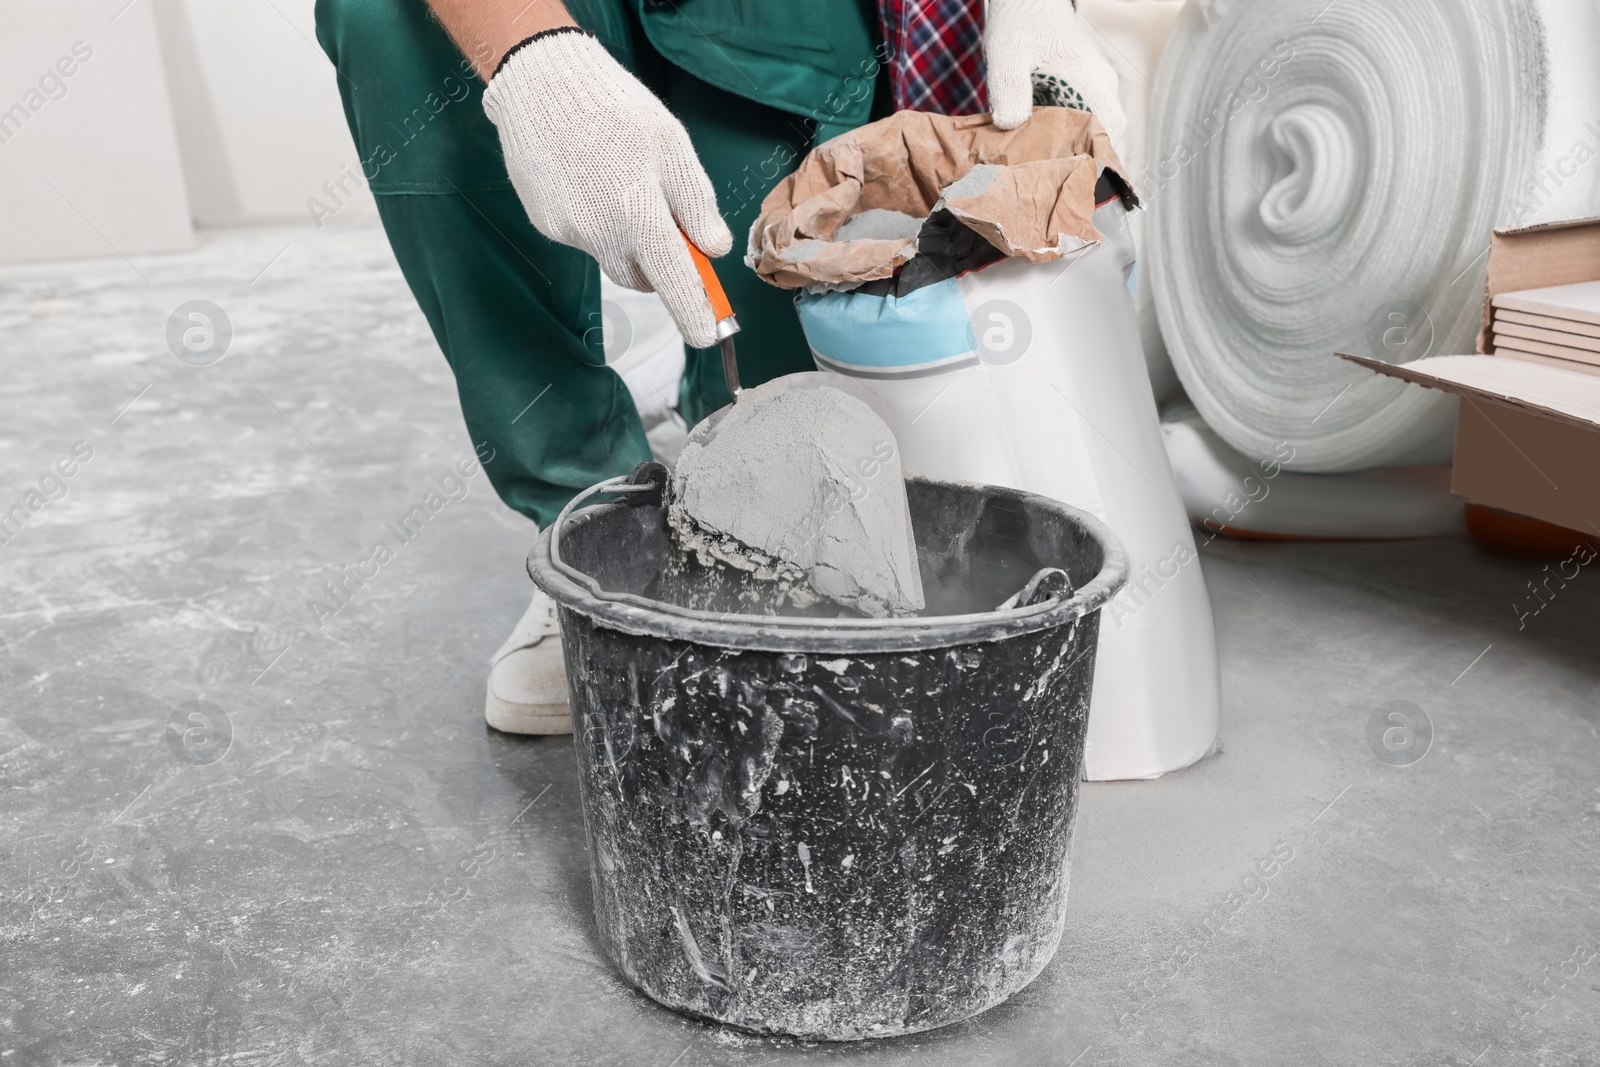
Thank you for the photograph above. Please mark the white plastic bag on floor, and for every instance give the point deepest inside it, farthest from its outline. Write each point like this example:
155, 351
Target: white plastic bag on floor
1025, 370
1226, 492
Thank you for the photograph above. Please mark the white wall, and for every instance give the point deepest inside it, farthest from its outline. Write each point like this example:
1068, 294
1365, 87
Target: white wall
88, 160
257, 109
215, 112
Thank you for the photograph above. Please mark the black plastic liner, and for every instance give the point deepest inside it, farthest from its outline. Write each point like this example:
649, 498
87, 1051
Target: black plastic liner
946, 248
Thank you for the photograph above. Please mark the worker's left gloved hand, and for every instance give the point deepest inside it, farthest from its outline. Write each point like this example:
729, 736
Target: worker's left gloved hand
1021, 36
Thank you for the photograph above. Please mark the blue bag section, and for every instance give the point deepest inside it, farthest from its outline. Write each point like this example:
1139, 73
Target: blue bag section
920, 318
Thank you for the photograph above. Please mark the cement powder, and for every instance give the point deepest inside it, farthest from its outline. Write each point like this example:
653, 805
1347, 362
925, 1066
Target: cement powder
879, 224
973, 183
801, 487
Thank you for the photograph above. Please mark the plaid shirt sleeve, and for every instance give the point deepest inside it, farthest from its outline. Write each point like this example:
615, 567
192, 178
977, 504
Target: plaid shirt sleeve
935, 50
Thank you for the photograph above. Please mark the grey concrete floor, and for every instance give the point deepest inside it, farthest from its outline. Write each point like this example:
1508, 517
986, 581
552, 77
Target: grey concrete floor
364, 874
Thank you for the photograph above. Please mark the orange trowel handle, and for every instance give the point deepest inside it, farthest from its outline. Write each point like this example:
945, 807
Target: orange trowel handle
727, 325
720, 307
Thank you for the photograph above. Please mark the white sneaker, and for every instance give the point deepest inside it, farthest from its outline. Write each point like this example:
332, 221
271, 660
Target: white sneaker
527, 691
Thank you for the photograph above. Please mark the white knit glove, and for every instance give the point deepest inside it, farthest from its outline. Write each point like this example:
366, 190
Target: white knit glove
602, 165
1022, 36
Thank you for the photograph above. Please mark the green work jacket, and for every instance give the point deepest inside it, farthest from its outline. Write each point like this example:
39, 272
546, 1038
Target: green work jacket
816, 58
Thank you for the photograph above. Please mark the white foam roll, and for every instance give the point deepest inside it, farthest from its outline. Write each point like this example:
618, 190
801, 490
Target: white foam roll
1325, 177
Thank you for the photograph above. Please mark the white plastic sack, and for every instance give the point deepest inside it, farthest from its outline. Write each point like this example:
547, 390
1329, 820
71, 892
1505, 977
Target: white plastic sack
1030, 376
1225, 492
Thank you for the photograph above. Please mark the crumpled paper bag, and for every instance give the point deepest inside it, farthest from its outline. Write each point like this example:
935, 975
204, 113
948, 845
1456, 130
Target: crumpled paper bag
1029, 192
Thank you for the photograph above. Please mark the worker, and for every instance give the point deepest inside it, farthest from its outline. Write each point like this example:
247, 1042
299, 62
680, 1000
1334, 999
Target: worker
516, 148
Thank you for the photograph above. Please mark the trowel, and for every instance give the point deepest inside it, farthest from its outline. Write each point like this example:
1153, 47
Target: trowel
727, 325
800, 475
727, 328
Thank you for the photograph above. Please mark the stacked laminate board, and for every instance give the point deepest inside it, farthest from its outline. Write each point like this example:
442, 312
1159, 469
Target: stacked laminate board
1562, 321
1528, 425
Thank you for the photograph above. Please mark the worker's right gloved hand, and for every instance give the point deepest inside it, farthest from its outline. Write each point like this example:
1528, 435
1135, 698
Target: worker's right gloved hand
602, 165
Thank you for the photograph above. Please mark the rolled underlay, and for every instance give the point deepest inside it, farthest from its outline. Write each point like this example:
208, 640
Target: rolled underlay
1325, 176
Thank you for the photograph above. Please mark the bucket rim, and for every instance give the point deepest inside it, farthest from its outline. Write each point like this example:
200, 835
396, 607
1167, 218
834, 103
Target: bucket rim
642, 617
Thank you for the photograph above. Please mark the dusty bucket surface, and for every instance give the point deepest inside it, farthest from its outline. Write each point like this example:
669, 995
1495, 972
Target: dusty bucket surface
834, 829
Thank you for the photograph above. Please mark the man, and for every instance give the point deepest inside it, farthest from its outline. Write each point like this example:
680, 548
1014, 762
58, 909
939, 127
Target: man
606, 127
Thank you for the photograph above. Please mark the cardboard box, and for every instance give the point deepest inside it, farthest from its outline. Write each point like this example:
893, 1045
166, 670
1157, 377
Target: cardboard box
1528, 438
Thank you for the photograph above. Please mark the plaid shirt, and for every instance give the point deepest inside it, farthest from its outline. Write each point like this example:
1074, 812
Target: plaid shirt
935, 52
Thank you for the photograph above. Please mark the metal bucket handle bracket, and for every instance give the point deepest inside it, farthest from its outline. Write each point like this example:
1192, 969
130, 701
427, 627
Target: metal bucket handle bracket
652, 474
1050, 583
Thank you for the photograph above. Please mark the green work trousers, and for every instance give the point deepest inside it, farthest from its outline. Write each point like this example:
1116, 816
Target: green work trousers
515, 313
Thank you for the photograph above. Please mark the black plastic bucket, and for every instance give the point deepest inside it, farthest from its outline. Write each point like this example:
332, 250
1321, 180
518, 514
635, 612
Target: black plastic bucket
833, 830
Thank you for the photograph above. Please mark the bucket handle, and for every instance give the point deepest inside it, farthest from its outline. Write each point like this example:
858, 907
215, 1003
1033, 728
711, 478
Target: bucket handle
1038, 597
627, 483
